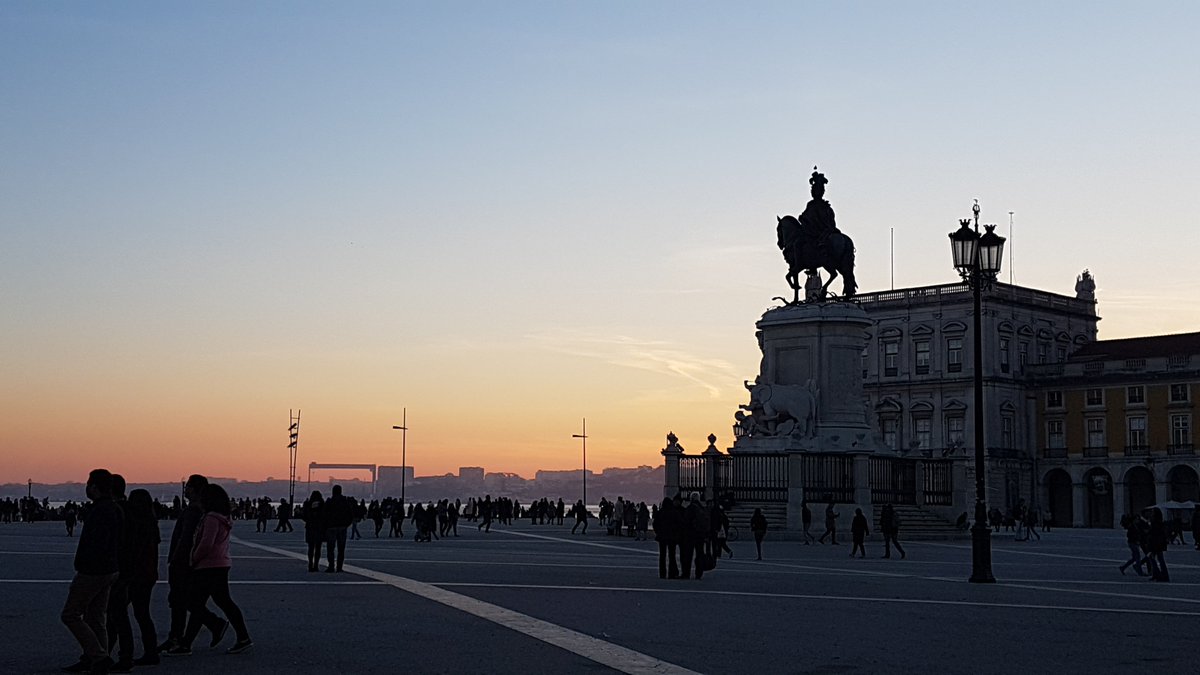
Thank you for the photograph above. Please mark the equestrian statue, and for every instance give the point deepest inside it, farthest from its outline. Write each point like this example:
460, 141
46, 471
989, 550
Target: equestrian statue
813, 241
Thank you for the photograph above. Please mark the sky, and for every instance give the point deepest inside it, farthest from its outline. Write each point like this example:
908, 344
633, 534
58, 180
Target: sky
503, 218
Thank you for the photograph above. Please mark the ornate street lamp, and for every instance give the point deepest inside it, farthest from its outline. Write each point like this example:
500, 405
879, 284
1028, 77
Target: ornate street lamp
977, 259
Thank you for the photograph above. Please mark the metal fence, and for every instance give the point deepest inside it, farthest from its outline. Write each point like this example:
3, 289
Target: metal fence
938, 483
893, 481
754, 478
828, 478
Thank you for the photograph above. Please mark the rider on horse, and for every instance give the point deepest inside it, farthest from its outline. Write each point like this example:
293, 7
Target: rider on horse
817, 223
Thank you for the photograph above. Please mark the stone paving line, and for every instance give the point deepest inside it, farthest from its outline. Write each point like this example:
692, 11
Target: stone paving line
605, 653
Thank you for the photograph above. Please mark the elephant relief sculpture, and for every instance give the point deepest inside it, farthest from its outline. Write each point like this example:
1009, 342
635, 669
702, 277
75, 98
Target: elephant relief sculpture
779, 410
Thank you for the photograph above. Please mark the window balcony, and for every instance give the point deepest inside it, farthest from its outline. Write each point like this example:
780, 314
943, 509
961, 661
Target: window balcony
1054, 453
1181, 449
1137, 450
1095, 451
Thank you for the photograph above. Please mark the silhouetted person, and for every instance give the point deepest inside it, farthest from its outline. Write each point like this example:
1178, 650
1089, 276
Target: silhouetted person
580, 513
830, 525
316, 528
70, 517
695, 531
485, 510
889, 525
667, 525
339, 513
211, 563
179, 563
859, 532
120, 631
721, 533
1157, 542
96, 570
758, 525
285, 516
1133, 539
806, 519
144, 540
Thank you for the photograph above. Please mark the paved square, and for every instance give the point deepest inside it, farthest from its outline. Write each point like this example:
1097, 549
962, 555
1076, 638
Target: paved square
528, 599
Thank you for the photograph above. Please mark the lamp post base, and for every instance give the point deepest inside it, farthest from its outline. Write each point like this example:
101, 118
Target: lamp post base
981, 554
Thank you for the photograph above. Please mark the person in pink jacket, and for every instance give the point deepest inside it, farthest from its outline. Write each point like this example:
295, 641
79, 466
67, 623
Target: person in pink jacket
210, 576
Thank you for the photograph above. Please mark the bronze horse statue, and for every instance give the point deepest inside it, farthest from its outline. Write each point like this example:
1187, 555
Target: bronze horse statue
835, 256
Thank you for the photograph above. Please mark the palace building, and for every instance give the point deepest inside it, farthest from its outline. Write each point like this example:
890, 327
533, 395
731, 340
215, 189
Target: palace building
1083, 429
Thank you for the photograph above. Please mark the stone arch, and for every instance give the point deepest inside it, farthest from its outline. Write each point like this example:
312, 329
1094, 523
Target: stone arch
1139, 489
1183, 483
1059, 499
1098, 498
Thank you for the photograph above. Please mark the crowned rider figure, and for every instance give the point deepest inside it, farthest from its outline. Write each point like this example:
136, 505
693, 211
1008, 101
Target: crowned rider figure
817, 223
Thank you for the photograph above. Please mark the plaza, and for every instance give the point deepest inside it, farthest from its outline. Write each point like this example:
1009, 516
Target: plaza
525, 598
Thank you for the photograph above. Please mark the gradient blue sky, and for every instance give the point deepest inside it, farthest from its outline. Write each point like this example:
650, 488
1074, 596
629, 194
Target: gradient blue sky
508, 216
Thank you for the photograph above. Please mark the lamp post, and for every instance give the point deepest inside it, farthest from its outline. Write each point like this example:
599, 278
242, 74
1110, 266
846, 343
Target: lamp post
977, 259
584, 437
403, 454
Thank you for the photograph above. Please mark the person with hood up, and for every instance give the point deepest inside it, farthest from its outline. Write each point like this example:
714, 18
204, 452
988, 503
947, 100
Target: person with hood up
210, 576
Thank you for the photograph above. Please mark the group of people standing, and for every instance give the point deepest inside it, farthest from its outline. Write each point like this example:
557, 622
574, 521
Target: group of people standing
116, 567
693, 535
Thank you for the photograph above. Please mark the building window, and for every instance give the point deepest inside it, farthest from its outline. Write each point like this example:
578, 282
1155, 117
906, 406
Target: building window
1179, 393
1094, 397
1004, 355
1181, 430
923, 431
863, 359
954, 355
1135, 395
1043, 352
891, 427
922, 356
1054, 399
1006, 431
1095, 432
1022, 355
955, 430
1137, 432
891, 353
1060, 354
1054, 434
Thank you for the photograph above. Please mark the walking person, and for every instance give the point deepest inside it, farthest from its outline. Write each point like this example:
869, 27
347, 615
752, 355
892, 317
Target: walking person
758, 525
339, 516
889, 525
179, 564
285, 516
666, 533
806, 519
721, 535
85, 611
120, 630
858, 532
1157, 542
1133, 539
144, 541
70, 518
312, 512
830, 524
210, 577
581, 516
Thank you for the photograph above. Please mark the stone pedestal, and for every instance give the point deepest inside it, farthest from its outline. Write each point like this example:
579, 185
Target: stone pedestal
808, 395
